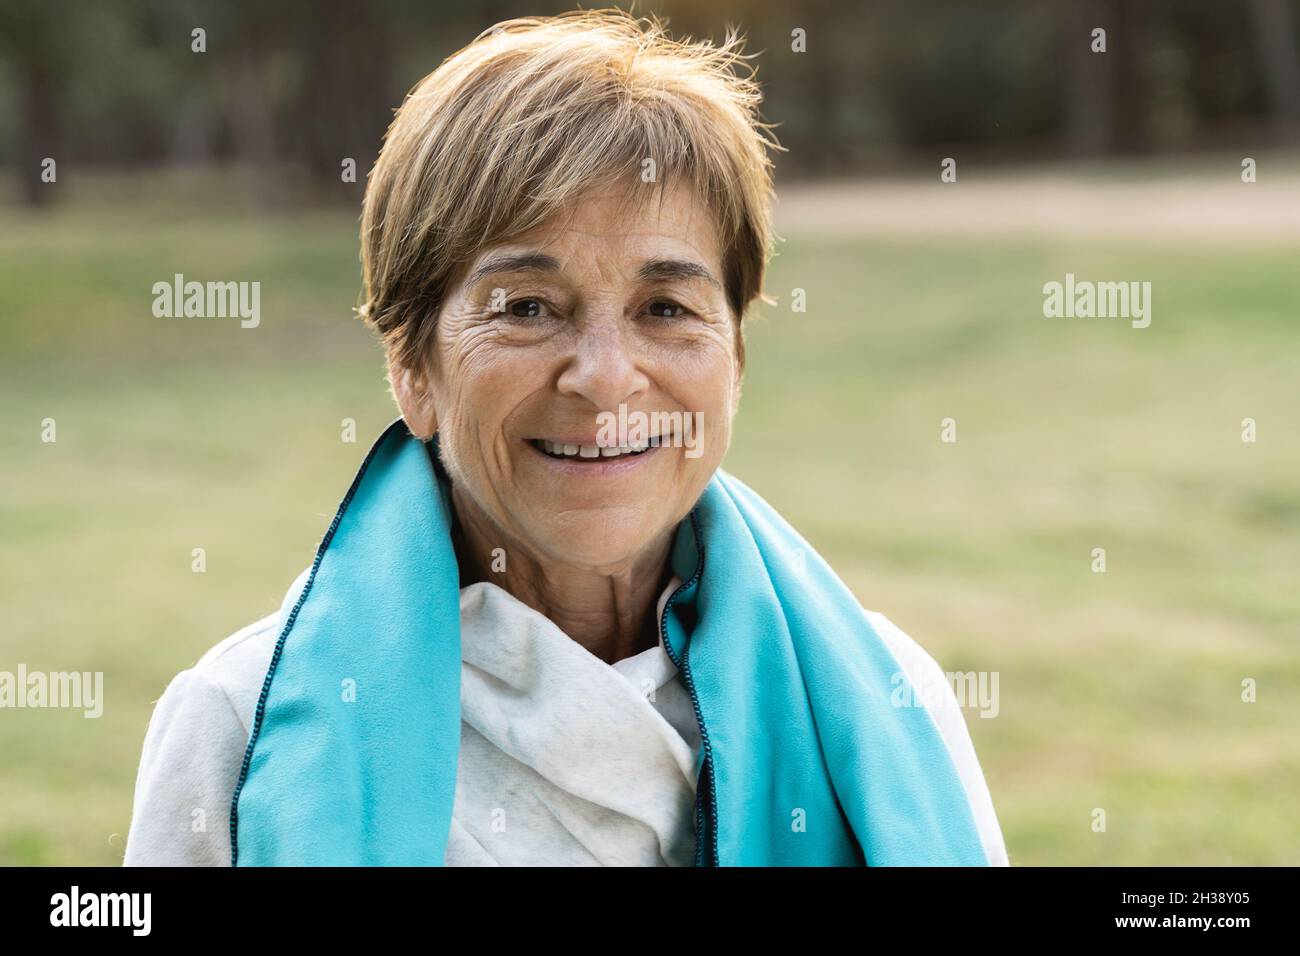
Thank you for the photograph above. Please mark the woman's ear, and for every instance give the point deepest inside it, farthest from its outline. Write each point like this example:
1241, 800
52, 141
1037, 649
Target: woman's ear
414, 401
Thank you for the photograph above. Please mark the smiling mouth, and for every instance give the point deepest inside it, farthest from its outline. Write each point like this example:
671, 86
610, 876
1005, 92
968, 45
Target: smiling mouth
570, 452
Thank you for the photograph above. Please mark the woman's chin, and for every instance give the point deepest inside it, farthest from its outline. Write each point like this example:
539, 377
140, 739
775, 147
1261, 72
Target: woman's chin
601, 539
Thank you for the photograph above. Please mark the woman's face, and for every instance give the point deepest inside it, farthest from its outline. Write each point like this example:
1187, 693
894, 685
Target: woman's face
594, 312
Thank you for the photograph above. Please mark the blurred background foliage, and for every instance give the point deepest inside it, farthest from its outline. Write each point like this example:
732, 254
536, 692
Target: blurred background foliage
290, 87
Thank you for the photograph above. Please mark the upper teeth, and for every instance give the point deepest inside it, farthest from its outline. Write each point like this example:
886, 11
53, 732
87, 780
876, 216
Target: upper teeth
589, 451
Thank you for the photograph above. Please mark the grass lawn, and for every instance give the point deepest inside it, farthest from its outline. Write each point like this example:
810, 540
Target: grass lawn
1119, 691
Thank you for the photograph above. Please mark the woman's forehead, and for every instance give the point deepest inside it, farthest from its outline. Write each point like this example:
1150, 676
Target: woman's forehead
666, 224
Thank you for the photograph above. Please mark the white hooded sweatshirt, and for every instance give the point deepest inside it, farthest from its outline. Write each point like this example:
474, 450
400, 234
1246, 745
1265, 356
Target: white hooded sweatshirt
564, 760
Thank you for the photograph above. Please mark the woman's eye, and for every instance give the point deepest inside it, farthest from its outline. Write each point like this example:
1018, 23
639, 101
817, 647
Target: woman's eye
666, 309
525, 308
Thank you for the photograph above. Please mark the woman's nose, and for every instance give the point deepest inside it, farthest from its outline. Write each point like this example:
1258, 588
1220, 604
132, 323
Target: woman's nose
604, 367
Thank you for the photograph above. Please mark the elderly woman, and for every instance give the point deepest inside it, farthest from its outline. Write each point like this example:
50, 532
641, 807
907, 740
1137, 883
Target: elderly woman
544, 628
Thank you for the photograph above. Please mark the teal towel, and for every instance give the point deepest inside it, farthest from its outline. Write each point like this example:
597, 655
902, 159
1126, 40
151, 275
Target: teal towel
804, 761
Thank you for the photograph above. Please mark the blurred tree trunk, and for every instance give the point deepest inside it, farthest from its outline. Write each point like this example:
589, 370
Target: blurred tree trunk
824, 149
1274, 26
36, 128
344, 106
252, 123
1131, 92
1089, 80
1106, 96
38, 52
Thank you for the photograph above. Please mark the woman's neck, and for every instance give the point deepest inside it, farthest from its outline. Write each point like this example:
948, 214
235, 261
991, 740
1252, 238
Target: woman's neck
609, 611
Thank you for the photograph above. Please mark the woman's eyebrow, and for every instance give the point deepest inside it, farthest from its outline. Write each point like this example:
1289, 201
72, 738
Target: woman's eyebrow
660, 269
518, 262
650, 271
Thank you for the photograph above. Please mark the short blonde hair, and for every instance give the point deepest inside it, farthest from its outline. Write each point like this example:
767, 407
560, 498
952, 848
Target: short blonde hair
523, 120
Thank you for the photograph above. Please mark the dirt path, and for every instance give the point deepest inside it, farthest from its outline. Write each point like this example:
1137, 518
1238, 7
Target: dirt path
1182, 207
